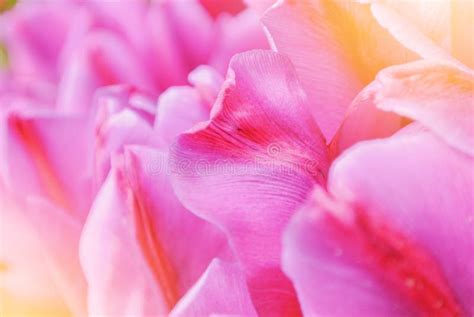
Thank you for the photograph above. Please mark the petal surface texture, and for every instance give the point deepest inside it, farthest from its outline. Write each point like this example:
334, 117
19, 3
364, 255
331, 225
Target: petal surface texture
438, 95
251, 165
392, 235
148, 234
337, 48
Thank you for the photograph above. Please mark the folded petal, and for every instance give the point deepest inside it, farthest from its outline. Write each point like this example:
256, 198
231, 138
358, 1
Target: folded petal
119, 281
431, 28
368, 241
148, 262
148, 173
207, 81
337, 48
438, 95
179, 109
433, 19
250, 166
124, 117
364, 121
412, 25
221, 290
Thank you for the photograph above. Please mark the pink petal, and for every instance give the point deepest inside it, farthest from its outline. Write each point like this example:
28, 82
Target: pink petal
124, 117
438, 95
250, 166
170, 68
119, 280
123, 17
58, 234
181, 36
24, 281
364, 121
148, 234
368, 241
236, 34
149, 177
179, 109
40, 159
336, 47
95, 64
328, 276
192, 28
21, 92
221, 290
207, 81
35, 51
260, 5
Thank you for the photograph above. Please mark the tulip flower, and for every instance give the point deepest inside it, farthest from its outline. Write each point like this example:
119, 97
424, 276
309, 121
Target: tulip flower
262, 132
159, 159
57, 139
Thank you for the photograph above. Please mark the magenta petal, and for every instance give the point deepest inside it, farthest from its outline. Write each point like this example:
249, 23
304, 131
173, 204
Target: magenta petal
147, 263
216, 7
221, 290
35, 51
324, 270
250, 166
40, 159
392, 235
148, 174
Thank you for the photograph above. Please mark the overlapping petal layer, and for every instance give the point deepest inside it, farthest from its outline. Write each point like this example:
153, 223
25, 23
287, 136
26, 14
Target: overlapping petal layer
147, 245
392, 234
251, 165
